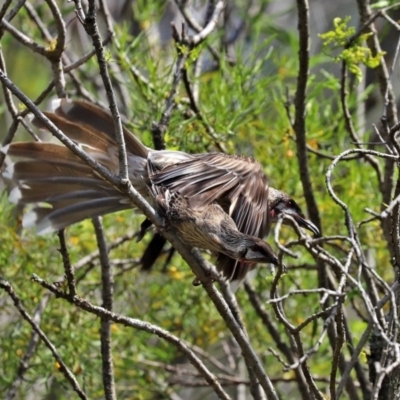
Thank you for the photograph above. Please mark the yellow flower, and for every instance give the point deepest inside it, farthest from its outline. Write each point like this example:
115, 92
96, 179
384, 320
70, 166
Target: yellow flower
174, 273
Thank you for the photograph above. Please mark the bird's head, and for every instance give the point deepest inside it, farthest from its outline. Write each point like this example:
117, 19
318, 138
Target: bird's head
281, 203
258, 251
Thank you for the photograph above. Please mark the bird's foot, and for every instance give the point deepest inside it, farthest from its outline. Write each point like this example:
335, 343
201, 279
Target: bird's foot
210, 277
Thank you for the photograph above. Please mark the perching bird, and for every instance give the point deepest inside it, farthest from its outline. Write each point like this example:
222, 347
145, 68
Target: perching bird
210, 228
65, 190
238, 184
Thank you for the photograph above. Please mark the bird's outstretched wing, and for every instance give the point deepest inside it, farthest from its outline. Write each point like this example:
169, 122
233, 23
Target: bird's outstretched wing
237, 183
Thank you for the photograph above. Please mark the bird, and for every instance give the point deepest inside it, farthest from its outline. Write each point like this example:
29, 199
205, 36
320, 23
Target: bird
210, 228
62, 189
239, 185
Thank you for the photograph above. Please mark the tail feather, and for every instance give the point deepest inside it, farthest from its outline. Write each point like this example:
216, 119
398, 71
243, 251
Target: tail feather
99, 121
33, 169
49, 220
53, 156
61, 187
100, 147
40, 150
53, 190
79, 133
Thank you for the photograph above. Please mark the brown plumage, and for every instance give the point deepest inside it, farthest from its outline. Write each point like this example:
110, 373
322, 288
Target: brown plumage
239, 185
64, 190
211, 228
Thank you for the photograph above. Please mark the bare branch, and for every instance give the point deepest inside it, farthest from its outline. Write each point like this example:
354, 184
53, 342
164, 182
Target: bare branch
142, 325
69, 376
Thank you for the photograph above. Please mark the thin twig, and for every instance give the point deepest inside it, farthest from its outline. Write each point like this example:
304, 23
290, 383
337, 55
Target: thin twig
30, 350
141, 325
92, 30
107, 291
68, 269
69, 376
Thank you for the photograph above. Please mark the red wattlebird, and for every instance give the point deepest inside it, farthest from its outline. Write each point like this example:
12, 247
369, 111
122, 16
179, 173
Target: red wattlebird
64, 190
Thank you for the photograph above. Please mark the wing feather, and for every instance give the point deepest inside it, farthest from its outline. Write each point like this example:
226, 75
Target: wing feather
217, 177
237, 183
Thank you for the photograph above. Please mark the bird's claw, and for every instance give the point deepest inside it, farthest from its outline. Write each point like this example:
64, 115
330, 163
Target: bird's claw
210, 277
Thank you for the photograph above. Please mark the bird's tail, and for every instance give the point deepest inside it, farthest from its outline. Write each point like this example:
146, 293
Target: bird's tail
59, 186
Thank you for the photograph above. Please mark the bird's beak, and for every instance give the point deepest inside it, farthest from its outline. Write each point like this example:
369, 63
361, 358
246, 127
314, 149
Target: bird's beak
255, 256
305, 223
